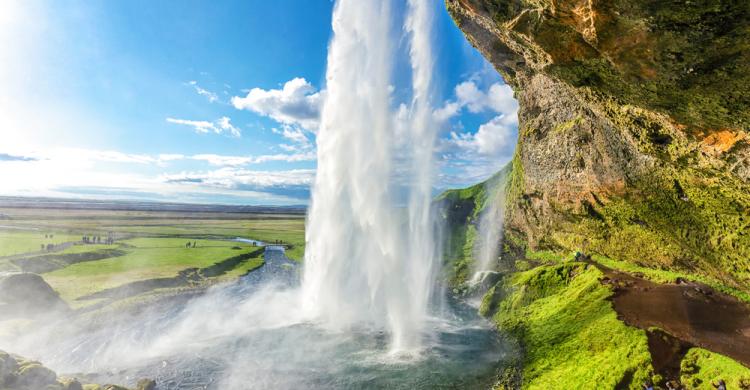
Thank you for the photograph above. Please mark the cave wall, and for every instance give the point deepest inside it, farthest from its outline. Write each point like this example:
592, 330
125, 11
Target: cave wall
633, 127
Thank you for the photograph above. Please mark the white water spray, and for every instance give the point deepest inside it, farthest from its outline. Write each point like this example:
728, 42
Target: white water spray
490, 229
489, 236
369, 262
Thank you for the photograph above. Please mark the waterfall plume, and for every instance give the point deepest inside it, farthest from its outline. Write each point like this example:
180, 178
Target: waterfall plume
369, 259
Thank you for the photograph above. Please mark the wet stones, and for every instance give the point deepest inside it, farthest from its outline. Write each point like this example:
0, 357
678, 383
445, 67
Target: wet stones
32, 375
146, 384
17, 373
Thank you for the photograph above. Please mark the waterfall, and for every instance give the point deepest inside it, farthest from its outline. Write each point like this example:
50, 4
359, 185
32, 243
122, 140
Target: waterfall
490, 230
369, 260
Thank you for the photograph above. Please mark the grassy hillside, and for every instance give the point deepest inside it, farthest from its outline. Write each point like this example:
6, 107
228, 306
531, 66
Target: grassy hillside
571, 334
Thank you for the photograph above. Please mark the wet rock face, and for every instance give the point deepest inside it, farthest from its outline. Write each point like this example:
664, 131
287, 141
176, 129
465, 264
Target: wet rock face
619, 100
689, 59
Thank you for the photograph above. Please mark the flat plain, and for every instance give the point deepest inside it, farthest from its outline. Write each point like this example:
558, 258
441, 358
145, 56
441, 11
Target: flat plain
91, 256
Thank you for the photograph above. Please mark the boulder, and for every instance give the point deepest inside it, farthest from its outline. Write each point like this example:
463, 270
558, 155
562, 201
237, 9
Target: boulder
71, 384
32, 375
26, 294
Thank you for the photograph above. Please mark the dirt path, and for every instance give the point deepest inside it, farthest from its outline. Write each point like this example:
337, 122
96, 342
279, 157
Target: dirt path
691, 314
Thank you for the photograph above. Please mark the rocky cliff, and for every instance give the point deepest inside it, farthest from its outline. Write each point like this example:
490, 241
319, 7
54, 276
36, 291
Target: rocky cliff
633, 127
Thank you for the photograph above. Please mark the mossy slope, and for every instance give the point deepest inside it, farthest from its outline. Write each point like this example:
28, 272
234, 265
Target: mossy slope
571, 334
701, 368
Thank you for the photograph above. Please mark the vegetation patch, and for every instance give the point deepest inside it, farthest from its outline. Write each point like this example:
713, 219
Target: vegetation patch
570, 332
687, 221
700, 368
146, 258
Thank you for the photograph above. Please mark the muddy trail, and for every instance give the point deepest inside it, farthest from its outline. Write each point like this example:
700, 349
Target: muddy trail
689, 314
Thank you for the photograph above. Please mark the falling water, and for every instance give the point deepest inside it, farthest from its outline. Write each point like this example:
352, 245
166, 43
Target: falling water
371, 256
490, 230
369, 261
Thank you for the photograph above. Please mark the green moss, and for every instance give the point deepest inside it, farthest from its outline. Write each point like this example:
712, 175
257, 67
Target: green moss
567, 125
522, 265
688, 221
515, 184
547, 256
490, 301
699, 368
570, 332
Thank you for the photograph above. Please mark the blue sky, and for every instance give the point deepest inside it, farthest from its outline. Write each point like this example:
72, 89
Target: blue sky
203, 101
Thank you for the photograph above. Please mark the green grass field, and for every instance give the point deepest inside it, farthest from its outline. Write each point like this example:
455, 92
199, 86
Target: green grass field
15, 242
147, 258
150, 245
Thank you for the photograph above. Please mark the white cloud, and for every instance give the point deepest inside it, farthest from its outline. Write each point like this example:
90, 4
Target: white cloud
296, 135
64, 172
215, 159
218, 126
297, 103
224, 124
470, 96
492, 138
449, 110
212, 97
233, 161
234, 177
289, 148
306, 156
474, 155
498, 99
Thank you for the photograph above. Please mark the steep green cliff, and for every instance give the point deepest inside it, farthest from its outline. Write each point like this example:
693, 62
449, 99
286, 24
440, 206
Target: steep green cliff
633, 121
634, 146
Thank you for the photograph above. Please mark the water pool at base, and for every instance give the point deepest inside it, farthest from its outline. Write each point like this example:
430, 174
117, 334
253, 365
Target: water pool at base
248, 335
463, 353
